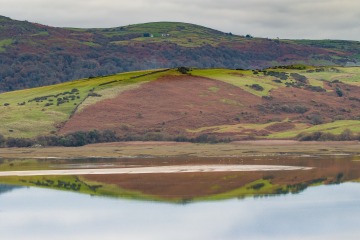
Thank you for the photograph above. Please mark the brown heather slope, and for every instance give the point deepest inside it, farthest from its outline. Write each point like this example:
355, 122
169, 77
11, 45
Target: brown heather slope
172, 105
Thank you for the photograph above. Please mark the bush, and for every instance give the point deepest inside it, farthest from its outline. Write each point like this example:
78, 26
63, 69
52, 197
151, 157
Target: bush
346, 135
339, 92
299, 77
315, 119
257, 87
205, 138
257, 186
184, 70
277, 108
19, 142
81, 138
315, 88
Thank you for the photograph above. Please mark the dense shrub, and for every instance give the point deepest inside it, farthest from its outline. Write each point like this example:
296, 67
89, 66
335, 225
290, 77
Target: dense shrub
19, 142
257, 87
184, 70
315, 119
75, 139
299, 77
339, 92
280, 75
286, 108
82, 138
315, 88
346, 135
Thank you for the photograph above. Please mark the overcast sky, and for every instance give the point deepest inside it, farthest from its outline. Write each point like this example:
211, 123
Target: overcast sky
315, 19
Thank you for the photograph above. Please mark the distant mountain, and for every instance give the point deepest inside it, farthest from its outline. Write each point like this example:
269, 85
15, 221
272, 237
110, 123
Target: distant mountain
34, 55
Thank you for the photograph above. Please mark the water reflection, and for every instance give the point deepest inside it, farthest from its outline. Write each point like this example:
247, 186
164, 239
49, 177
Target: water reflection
322, 212
8, 188
190, 187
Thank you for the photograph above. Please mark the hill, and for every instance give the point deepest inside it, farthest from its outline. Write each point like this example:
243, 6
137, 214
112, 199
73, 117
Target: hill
33, 55
183, 104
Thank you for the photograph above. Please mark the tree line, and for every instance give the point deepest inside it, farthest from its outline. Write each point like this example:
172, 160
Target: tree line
346, 135
81, 138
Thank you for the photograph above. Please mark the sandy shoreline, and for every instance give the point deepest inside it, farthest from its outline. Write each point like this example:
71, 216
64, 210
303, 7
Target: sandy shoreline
158, 169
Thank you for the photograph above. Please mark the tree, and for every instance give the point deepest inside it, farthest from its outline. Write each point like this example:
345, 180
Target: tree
183, 70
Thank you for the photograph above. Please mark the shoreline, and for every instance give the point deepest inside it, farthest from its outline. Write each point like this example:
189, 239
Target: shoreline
184, 149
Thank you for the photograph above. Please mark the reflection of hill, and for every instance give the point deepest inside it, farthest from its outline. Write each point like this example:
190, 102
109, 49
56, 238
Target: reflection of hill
202, 186
188, 187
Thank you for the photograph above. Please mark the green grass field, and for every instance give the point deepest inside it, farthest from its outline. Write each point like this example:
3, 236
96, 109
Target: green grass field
336, 127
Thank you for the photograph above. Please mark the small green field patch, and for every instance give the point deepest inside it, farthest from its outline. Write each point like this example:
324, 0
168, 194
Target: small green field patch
5, 43
243, 79
336, 127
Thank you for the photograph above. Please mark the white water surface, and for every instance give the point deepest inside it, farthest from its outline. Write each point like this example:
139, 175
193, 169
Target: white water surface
323, 212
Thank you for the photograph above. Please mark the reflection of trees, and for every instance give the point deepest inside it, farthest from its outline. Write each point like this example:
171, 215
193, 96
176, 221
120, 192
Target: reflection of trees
7, 188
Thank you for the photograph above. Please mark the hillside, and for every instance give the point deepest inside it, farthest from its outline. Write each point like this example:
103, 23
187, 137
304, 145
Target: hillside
168, 104
33, 55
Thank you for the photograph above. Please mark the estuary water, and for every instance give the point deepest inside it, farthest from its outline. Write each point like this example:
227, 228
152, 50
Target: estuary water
318, 212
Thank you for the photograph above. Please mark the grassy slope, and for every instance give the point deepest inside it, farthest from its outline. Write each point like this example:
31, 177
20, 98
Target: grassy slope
182, 34
243, 80
335, 128
34, 118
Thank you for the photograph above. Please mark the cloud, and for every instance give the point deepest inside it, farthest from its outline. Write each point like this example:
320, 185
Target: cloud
336, 19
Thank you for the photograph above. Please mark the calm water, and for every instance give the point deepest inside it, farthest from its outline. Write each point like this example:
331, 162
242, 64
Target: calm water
323, 212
